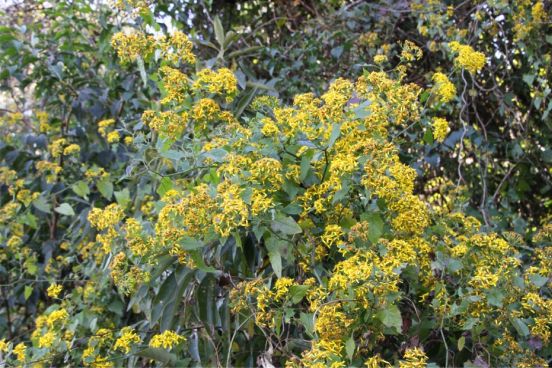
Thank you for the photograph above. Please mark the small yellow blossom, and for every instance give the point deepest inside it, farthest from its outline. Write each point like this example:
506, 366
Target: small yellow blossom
443, 88
54, 290
467, 57
113, 137
128, 338
440, 129
166, 340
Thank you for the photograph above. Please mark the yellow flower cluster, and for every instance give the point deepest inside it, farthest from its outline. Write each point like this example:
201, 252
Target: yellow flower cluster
411, 52
414, 358
440, 129
57, 146
133, 45
168, 123
106, 218
467, 58
175, 83
221, 83
443, 88
166, 340
127, 277
128, 338
54, 290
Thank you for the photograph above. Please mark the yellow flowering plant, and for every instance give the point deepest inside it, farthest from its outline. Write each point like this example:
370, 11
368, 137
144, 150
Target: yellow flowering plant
198, 223
302, 220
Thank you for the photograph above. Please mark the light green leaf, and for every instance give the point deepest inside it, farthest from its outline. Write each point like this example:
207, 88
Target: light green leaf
41, 204
274, 256
122, 197
461, 343
219, 31
520, 327
28, 291
142, 70
65, 209
164, 186
391, 317
336, 131
360, 111
350, 347
285, 225
190, 243
375, 226
106, 188
297, 292
81, 189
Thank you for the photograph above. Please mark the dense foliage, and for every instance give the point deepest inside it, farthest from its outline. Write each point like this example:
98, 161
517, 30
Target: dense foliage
319, 183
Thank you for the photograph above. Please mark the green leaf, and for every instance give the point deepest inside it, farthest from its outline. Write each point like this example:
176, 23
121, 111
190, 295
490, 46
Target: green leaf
336, 131
276, 262
122, 197
164, 186
297, 292
28, 291
350, 348
157, 354
360, 111
529, 79
308, 323
461, 343
285, 225
428, 137
41, 204
375, 226
219, 31
199, 262
190, 243
495, 297
65, 209
391, 317
81, 189
336, 52
142, 70
274, 255
538, 280
106, 188
520, 327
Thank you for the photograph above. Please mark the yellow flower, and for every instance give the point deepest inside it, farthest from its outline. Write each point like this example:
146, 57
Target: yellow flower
380, 59
332, 235
180, 48
54, 290
132, 45
538, 12
20, 351
414, 358
113, 137
108, 217
440, 129
175, 83
56, 316
166, 340
71, 149
411, 52
56, 148
467, 57
128, 338
443, 88
3, 345
220, 82
47, 340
